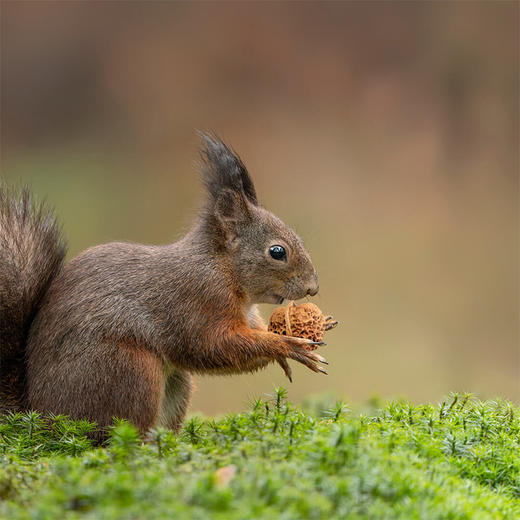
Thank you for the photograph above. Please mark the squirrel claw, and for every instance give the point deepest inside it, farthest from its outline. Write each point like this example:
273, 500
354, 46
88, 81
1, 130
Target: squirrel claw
321, 359
330, 324
286, 368
323, 371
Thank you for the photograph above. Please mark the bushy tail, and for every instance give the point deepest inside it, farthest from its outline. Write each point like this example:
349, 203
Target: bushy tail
31, 254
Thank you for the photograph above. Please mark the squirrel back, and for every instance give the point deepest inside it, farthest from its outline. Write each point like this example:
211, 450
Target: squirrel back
31, 254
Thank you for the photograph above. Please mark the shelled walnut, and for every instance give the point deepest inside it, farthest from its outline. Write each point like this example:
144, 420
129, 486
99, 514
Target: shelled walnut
302, 321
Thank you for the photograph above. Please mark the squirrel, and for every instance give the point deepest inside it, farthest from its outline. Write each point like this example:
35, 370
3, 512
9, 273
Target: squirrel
119, 330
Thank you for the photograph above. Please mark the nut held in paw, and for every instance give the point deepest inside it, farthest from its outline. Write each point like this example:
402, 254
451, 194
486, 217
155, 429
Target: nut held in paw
302, 321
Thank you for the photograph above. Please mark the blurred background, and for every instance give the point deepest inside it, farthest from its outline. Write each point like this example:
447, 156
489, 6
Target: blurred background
385, 133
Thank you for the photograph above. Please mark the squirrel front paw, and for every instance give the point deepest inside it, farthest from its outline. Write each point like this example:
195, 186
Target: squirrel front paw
299, 349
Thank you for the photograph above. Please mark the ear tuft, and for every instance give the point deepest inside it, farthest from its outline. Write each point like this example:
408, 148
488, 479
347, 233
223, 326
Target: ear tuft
223, 169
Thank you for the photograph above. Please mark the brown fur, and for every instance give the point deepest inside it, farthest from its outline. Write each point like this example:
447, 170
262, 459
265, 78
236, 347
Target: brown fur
122, 326
31, 253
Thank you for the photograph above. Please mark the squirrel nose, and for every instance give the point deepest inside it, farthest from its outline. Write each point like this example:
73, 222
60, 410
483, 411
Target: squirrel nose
313, 289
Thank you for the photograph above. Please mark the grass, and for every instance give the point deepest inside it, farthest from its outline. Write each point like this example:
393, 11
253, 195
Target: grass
455, 460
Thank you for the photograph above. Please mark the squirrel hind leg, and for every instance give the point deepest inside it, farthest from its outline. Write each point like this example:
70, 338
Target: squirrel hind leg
137, 385
177, 395
119, 379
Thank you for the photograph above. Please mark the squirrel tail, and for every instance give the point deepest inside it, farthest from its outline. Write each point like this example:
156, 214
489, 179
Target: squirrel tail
31, 254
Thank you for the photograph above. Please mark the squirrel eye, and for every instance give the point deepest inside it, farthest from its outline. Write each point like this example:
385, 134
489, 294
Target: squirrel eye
277, 252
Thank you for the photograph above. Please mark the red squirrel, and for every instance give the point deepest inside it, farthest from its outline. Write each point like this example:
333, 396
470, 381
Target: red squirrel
120, 328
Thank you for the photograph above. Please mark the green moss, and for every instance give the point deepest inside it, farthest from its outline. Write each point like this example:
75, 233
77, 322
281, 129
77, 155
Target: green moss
457, 460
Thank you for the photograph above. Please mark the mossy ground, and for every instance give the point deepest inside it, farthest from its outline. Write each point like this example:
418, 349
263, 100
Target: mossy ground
456, 460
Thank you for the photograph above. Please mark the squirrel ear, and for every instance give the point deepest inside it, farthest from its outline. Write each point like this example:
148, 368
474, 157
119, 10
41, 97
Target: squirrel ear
231, 209
222, 169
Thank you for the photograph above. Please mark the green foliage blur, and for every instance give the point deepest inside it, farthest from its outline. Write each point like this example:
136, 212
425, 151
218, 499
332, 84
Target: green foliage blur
385, 133
457, 460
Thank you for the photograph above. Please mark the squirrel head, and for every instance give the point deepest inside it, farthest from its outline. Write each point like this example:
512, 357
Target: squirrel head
268, 259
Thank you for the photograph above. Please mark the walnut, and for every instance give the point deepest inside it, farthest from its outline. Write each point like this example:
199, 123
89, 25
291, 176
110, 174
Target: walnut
302, 321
